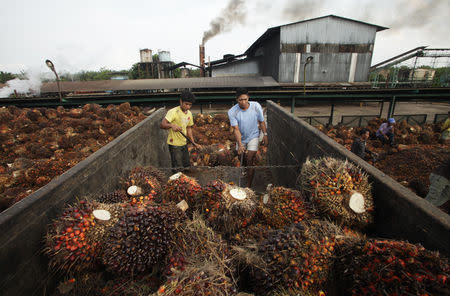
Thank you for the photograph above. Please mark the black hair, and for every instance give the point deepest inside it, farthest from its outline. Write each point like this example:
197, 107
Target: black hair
241, 91
187, 96
363, 131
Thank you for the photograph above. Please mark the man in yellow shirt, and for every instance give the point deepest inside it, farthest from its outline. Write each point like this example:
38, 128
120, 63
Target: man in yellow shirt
445, 135
179, 120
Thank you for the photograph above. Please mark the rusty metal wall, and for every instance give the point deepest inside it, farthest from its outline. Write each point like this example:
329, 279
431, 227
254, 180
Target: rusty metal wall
331, 42
245, 67
271, 57
328, 30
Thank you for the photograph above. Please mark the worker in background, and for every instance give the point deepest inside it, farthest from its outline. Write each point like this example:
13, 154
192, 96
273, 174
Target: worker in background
247, 119
445, 135
179, 122
359, 145
385, 132
439, 192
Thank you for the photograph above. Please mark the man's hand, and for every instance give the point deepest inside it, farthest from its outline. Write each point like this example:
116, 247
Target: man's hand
198, 146
176, 128
241, 149
265, 140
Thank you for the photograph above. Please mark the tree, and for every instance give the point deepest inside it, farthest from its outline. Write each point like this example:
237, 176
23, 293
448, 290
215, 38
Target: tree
5, 76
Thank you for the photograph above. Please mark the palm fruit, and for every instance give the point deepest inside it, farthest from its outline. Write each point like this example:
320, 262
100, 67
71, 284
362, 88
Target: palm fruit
212, 155
147, 179
254, 233
85, 284
142, 172
74, 242
117, 196
202, 279
197, 242
131, 286
283, 206
199, 119
339, 189
208, 202
298, 257
181, 187
388, 267
141, 237
228, 208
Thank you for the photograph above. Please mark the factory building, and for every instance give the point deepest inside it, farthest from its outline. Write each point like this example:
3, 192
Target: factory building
324, 49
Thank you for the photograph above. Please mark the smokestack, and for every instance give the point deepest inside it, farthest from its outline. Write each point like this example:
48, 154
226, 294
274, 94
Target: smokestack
202, 60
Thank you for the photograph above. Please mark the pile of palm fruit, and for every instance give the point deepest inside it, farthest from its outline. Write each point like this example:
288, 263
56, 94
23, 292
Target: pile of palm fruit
214, 133
418, 153
233, 240
38, 144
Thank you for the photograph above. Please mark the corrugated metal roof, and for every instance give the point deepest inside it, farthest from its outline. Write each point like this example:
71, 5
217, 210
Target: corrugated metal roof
274, 30
149, 84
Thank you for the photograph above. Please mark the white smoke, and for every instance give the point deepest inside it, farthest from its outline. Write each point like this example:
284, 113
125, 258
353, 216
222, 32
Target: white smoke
30, 85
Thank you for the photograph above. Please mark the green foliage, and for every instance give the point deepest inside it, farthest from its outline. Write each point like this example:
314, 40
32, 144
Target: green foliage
194, 73
137, 73
176, 73
102, 74
441, 77
5, 76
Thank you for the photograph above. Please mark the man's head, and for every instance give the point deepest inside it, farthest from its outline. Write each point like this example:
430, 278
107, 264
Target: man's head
364, 133
391, 121
242, 97
186, 100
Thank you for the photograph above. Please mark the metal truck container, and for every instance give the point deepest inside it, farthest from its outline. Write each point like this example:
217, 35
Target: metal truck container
400, 214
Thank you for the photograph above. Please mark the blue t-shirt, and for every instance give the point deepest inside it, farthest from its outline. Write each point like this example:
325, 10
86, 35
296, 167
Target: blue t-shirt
247, 120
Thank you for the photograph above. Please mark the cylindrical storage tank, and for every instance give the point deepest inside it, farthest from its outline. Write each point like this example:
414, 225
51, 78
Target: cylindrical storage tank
184, 72
146, 55
164, 56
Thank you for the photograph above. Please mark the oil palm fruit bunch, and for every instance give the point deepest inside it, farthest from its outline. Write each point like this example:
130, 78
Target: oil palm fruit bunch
202, 279
199, 263
117, 196
141, 237
234, 210
142, 172
181, 187
144, 184
208, 203
197, 242
74, 241
84, 284
339, 189
253, 233
284, 206
388, 267
297, 257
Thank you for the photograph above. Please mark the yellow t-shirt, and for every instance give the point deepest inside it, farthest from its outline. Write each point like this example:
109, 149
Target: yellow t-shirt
178, 117
446, 126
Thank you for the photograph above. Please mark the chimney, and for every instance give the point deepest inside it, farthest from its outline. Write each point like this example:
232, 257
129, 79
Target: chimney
202, 61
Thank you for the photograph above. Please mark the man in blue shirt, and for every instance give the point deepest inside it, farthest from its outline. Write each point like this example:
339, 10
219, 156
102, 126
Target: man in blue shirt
247, 119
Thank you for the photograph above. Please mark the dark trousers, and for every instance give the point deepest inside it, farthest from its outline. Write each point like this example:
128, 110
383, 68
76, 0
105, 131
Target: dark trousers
179, 155
384, 141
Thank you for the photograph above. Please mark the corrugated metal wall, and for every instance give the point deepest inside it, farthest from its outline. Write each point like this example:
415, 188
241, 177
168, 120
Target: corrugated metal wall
331, 41
246, 67
328, 30
271, 54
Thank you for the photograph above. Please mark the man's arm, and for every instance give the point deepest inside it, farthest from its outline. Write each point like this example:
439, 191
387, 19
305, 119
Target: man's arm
265, 140
191, 137
238, 136
165, 124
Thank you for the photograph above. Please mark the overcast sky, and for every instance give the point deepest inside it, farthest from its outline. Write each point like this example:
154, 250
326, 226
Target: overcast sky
90, 34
